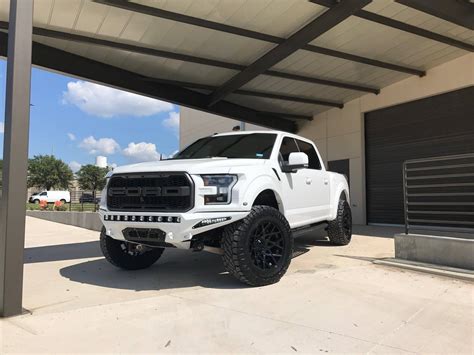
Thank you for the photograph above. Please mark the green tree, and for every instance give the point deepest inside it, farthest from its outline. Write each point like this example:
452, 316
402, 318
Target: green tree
91, 177
47, 172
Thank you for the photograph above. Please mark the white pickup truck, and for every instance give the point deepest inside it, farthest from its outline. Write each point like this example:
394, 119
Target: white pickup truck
242, 194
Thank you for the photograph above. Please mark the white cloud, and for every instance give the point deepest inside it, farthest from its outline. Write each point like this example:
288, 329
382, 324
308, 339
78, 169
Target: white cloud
140, 152
172, 121
75, 166
104, 101
71, 136
105, 146
2, 127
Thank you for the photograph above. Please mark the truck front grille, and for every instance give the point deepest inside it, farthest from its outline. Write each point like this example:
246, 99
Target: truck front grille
155, 192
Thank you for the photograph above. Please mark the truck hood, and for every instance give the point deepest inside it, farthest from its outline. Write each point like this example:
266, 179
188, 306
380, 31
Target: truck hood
192, 166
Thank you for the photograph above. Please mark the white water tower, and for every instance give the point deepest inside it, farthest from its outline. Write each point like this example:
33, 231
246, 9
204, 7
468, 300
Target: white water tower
101, 161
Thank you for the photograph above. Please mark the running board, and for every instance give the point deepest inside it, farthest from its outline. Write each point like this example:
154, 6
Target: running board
316, 227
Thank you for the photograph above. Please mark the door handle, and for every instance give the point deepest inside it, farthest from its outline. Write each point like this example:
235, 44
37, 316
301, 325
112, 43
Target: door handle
326, 181
309, 181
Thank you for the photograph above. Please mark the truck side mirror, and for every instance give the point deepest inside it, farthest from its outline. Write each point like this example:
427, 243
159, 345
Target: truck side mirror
296, 161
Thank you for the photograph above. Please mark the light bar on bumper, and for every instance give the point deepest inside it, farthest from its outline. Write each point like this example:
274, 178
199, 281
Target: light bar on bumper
208, 221
142, 218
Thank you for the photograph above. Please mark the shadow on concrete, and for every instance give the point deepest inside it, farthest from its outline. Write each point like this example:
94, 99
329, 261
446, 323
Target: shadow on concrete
176, 268
91, 249
362, 258
376, 231
62, 252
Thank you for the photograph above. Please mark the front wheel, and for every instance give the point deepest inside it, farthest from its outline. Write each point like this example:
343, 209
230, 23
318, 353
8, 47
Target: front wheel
340, 229
258, 249
126, 255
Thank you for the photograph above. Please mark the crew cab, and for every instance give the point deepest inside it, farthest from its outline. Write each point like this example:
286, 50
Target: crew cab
244, 195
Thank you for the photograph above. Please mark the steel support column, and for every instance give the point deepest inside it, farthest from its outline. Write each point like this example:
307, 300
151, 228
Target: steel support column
15, 157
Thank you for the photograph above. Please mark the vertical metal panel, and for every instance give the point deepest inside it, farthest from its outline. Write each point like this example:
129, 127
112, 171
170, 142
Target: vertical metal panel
15, 154
342, 167
434, 126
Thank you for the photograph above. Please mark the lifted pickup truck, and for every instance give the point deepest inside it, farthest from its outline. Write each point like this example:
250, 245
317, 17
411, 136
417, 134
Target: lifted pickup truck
242, 194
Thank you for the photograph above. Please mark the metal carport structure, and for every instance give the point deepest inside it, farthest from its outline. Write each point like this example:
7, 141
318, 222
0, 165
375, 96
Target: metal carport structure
269, 63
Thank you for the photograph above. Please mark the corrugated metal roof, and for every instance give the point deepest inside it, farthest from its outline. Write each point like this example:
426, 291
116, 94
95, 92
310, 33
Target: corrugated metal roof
277, 18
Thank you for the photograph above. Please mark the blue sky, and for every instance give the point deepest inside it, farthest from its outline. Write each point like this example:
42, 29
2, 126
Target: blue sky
77, 120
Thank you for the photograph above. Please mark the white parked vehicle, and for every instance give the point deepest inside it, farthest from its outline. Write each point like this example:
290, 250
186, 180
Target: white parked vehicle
242, 194
51, 197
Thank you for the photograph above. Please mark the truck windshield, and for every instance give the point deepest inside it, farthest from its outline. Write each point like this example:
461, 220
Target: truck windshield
248, 146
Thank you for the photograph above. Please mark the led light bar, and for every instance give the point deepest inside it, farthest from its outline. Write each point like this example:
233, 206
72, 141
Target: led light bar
209, 221
142, 218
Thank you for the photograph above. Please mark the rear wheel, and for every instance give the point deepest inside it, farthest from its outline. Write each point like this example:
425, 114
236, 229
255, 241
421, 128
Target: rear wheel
127, 255
340, 229
63, 201
258, 249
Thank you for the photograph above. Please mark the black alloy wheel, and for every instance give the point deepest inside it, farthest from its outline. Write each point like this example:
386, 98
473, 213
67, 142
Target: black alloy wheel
258, 248
266, 245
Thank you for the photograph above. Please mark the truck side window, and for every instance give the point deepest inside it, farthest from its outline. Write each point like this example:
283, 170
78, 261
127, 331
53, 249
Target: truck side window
43, 194
313, 159
288, 145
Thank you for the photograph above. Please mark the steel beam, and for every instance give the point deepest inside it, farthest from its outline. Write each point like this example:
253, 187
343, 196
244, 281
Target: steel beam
44, 32
291, 115
402, 26
15, 157
460, 13
263, 94
221, 27
88, 69
309, 32
364, 60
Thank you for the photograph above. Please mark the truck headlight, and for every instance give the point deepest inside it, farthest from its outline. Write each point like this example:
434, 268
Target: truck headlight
223, 184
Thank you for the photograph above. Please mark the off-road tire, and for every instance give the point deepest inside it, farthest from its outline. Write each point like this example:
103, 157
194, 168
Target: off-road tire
113, 252
340, 229
237, 256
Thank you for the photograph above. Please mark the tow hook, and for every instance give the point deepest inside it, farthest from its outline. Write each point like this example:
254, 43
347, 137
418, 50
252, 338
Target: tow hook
198, 245
141, 248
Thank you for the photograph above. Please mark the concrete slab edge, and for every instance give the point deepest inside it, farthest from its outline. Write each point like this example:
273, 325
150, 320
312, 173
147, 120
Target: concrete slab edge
87, 220
461, 274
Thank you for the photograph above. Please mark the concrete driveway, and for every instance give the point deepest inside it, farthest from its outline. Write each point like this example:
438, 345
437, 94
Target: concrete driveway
333, 299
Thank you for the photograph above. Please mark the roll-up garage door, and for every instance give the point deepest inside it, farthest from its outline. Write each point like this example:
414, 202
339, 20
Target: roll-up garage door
435, 126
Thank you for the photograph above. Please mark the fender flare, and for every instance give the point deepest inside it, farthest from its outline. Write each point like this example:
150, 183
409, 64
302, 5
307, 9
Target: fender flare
260, 184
